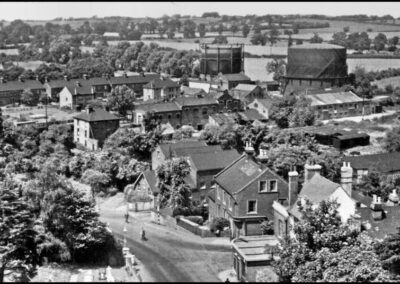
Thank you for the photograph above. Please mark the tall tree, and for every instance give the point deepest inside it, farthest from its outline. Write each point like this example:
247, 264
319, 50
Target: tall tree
122, 99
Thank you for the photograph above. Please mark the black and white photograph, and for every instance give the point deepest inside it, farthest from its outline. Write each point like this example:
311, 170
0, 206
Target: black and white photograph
199, 141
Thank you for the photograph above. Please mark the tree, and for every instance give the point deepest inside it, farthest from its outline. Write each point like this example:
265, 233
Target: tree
122, 99
278, 67
234, 28
319, 232
220, 29
392, 140
272, 37
201, 28
18, 254
189, 29
258, 38
171, 176
346, 29
316, 39
389, 252
60, 51
220, 40
28, 97
380, 41
339, 38
96, 180
245, 30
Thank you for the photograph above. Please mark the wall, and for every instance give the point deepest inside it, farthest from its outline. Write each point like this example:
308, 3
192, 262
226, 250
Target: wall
148, 94
259, 107
100, 130
65, 98
169, 92
196, 229
193, 115
347, 206
342, 110
157, 158
229, 104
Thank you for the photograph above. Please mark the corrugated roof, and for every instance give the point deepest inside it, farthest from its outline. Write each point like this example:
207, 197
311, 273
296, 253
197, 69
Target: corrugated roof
383, 163
97, 114
213, 160
334, 98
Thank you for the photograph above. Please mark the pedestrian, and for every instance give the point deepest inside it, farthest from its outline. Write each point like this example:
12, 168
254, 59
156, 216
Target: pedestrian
127, 217
227, 280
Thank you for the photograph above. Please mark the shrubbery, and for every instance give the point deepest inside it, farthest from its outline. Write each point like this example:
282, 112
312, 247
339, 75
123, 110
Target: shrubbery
218, 224
195, 219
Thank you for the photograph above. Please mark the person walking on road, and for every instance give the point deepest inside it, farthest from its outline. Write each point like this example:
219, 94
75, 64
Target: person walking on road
127, 217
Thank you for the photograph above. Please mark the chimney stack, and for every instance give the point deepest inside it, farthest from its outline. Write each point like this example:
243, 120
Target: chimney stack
249, 148
66, 78
293, 186
125, 75
21, 78
85, 76
376, 208
310, 171
393, 198
263, 157
2, 80
37, 77
346, 177
89, 109
77, 83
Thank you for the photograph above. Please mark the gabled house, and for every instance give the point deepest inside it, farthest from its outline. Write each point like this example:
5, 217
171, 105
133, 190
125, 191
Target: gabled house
160, 89
263, 106
387, 164
227, 103
93, 126
316, 188
163, 112
244, 193
229, 81
247, 93
144, 191
76, 96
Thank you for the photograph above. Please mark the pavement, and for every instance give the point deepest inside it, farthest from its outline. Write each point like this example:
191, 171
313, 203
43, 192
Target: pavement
170, 253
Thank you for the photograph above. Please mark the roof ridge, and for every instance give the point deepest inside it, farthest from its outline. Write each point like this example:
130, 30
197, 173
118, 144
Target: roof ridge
230, 165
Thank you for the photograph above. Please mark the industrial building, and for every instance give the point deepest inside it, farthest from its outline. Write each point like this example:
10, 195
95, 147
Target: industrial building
314, 66
225, 59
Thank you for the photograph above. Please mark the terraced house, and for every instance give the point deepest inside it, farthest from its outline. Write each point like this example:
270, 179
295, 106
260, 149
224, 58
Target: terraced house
10, 91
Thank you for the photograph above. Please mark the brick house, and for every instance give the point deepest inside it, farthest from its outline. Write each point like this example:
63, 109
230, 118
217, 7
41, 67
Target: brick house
10, 91
164, 112
227, 103
160, 89
244, 193
93, 126
316, 189
229, 81
76, 96
387, 164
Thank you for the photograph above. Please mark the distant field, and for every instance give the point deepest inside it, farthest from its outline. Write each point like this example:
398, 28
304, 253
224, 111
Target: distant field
12, 51
394, 81
33, 65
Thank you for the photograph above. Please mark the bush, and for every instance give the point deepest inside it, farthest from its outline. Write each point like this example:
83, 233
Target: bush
218, 224
196, 219
267, 227
184, 211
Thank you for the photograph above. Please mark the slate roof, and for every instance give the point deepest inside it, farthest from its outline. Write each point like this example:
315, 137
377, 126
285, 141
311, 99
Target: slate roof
17, 85
151, 179
235, 77
213, 160
136, 79
72, 82
158, 83
267, 103
222, 118
195, 101
80, 90
334, 98
381, 228
238, 174
187, 91
98, 114
181, 152
383, 163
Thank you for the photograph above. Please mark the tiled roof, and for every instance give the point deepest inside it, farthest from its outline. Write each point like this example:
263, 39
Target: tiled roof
238, 174
151, 179
97, 114
136, 79
235, 77
17, 85
318, 189
245, 87
267, 103
213, 160
334, 98
158, 83
383, 163
72, 82
195, 101
61, 83
187, 91
381, 228
192, 150
222, 118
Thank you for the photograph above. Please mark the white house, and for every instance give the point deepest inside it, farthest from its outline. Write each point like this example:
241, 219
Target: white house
160, 89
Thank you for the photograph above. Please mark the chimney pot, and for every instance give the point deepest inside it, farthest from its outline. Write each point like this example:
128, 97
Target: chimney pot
293, 186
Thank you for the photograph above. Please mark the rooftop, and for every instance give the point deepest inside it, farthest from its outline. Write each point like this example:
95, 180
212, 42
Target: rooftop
334, 98
187, 91
222, 118
136, 79
213, 160
158, 83
168, 148
383, 163
316, 46
97, 114
18, 85
245, 87
191, 101
252, 115
235, 77
151, 178
158, 107
79, 90
254, 248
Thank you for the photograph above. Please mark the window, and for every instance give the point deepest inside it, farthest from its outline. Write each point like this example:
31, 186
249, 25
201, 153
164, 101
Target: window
255, 104
224, 197
202, 185
169, 116
178, 116
86, 133
158, 154
263, 186
251, 206
230, 203
218, 192
273, 185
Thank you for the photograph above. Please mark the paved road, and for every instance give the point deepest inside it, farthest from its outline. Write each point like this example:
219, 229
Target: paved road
169, 255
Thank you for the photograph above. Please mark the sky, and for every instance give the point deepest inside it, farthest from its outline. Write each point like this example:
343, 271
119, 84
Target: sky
49, 10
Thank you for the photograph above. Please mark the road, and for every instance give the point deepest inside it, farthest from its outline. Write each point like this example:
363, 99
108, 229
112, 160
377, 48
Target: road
169, 255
